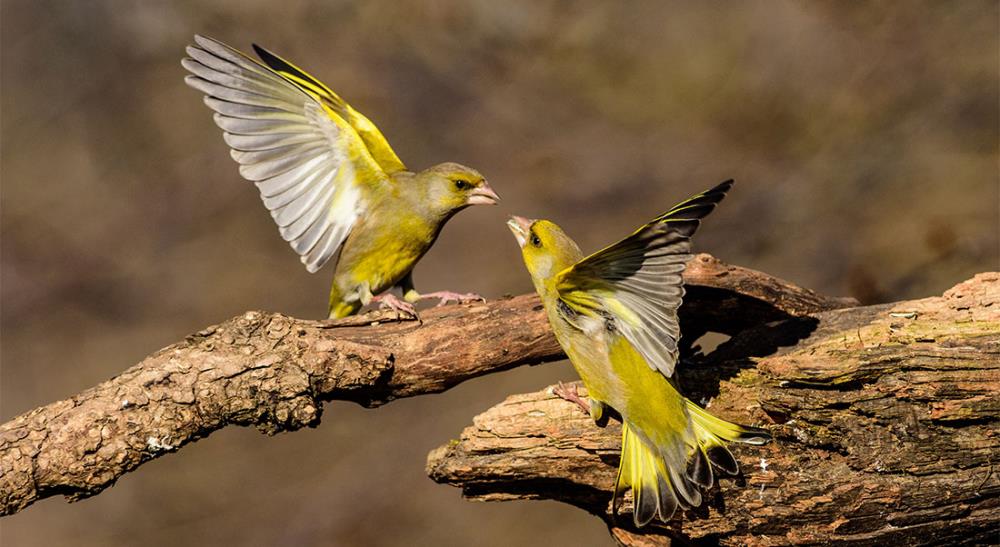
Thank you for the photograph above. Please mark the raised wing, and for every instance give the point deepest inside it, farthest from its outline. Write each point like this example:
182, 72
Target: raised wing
313, 170
372, 137
637, 284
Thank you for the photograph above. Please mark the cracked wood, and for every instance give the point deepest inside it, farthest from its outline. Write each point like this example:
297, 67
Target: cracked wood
885, 420
273, 372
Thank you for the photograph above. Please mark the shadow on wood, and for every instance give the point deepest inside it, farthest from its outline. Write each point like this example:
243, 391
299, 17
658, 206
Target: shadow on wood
885, 419
273, 372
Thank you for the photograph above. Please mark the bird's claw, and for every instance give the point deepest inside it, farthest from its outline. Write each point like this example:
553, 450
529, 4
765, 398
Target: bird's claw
448, 296
389, 301
570, 393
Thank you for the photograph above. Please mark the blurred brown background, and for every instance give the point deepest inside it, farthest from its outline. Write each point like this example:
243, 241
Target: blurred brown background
864, 139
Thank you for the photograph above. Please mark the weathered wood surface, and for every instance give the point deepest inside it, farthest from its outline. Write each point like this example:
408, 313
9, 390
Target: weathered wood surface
885, 419
273, 372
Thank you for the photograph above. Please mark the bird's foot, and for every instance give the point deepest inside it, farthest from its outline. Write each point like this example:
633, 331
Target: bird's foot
389, 301
448, 296
570, 393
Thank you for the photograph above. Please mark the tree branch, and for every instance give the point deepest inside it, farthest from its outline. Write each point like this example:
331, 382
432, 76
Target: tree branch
885, 419
273, 372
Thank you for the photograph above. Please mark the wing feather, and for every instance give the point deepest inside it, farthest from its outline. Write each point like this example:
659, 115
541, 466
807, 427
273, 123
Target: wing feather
314, 170
243, 126
280, 199
638, 281
251, 143
294, 181
370, 134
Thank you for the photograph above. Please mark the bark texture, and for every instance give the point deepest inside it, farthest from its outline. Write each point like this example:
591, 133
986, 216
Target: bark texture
885, 423
273, 372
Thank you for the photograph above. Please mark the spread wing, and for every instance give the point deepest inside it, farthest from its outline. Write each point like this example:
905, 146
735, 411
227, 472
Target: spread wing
314, 171
372, 137
637, 283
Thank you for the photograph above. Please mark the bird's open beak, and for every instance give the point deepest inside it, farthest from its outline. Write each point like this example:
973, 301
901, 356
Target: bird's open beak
520, 226
483, 195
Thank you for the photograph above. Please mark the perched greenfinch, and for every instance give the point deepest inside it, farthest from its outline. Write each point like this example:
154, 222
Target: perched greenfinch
329, 178
615, 314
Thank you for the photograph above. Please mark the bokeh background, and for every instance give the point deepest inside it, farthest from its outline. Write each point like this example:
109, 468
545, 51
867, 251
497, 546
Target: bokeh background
863, 137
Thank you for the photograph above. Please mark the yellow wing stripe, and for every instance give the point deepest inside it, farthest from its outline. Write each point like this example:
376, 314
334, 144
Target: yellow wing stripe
289, 70
370, 135
305, 85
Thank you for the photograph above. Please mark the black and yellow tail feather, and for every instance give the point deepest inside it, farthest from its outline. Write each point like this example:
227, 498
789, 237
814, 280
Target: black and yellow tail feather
663, 478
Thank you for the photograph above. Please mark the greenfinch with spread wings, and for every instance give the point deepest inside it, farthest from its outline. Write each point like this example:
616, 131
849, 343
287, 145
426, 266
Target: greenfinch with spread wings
332, 183
615, 314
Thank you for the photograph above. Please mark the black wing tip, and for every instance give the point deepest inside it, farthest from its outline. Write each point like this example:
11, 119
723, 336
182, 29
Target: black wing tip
270, 59
276, 63
261, 51
699, 205
717, 192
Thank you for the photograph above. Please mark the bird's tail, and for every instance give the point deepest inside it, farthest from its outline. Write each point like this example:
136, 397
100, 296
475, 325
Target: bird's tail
656, 480
712, 433
673, 471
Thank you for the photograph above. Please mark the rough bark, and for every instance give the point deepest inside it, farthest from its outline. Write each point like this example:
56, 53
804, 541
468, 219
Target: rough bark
273, 372
884, 417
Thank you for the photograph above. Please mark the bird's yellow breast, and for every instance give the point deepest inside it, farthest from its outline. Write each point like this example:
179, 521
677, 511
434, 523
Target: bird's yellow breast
380, 253
617, 375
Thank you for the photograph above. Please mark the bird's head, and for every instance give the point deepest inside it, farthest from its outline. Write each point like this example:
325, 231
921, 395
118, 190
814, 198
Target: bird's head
452, 186
546, 249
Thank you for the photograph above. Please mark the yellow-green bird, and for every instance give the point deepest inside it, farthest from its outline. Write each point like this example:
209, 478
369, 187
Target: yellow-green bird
329, 178
615, 314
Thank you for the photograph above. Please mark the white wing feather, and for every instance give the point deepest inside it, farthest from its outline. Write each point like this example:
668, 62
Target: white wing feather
312, 169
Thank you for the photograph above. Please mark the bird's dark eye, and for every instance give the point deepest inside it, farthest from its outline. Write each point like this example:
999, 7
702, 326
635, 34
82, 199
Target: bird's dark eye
535, 241
462, 184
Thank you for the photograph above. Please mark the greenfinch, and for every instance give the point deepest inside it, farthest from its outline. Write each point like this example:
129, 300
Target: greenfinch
615, 314
331, 181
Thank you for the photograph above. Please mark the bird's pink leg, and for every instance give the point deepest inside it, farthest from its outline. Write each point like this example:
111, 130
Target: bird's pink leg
569, 393
448, 296
387, 300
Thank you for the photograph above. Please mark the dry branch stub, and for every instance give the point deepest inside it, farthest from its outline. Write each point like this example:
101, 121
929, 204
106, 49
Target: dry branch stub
885, 420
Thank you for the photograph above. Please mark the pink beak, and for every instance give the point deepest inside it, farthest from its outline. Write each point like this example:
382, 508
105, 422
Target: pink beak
520, 226
483, 195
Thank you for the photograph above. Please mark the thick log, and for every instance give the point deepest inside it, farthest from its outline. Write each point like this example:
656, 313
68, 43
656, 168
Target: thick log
885, 423
273, 372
